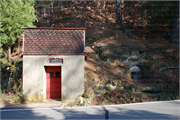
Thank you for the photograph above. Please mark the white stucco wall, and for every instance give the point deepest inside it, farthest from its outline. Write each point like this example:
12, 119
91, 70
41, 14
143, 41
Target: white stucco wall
72, 75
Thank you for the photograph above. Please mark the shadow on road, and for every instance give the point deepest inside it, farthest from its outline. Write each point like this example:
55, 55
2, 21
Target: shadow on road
22, 114
116, 112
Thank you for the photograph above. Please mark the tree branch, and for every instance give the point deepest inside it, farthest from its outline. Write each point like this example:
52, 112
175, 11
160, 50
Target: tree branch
168, 68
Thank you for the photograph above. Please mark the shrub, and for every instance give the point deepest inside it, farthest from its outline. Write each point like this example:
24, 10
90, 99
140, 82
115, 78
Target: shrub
4, 63
149, 64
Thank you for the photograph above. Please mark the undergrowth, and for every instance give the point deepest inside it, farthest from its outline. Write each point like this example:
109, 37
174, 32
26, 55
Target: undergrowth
168, 96
11, 83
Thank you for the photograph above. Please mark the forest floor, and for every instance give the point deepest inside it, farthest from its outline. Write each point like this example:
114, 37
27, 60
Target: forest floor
155, 84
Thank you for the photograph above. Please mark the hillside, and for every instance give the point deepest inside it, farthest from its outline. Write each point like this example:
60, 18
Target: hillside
108, 72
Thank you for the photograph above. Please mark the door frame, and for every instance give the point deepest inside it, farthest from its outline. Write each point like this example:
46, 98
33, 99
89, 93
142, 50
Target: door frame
45, 79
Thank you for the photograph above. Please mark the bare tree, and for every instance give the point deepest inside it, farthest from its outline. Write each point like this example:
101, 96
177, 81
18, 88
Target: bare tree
118, 21
175, 23
122, 12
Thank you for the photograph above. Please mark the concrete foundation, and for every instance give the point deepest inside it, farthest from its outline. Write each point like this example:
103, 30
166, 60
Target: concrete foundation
34, 75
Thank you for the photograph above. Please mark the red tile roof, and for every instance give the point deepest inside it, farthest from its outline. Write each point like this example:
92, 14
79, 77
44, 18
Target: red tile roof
54, 41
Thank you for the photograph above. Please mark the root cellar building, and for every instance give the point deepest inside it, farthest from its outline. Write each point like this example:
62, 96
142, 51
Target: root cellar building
53, 63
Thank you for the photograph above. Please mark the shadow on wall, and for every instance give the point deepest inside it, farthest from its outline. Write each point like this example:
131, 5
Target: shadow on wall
67, 81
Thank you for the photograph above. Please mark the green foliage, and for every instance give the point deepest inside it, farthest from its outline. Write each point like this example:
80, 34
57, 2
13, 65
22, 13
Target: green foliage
95, 69
160, 10
112, 33
100, 103
86, 102
86, 94
63, 2
121, 28
14, 15
108, 88
149, 64
132, 89
13, 78
4, 63
168, 96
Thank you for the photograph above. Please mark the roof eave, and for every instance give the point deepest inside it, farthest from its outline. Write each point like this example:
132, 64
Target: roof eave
55, 28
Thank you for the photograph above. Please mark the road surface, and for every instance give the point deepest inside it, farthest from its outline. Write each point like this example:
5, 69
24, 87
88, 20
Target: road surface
152, 110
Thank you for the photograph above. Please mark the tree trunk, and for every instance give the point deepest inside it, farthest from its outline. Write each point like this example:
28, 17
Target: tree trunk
19, 40
9, 85
175, 23
118, 21
52, 6
122, 13
9, 52
104, 5
142, 19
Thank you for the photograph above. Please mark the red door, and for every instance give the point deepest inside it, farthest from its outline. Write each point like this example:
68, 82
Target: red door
53, 82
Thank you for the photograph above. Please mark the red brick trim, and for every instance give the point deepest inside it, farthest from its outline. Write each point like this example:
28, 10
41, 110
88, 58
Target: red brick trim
54, 54
54, 28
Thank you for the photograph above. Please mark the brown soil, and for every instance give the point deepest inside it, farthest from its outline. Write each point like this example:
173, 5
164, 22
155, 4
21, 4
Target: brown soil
160, 54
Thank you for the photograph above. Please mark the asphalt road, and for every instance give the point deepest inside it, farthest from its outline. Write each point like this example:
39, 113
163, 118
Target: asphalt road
169, 110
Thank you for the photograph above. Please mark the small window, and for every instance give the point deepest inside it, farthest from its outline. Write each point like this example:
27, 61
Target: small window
50, 74
57, 74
